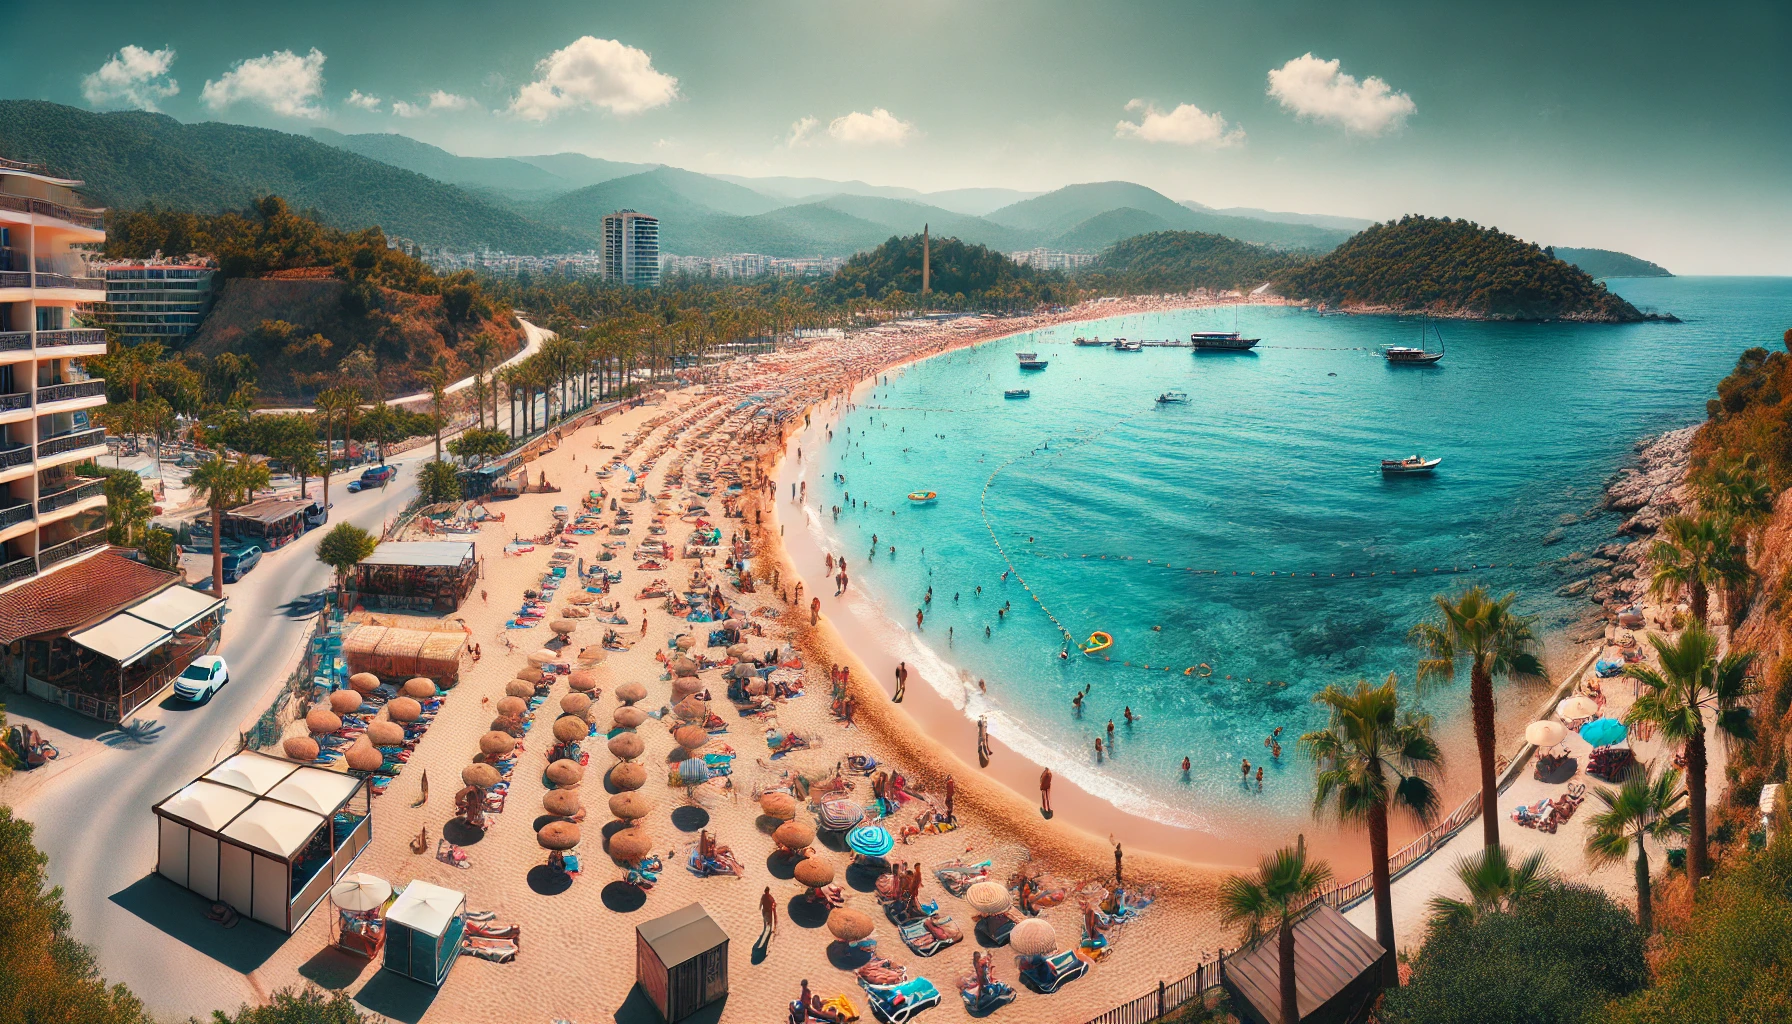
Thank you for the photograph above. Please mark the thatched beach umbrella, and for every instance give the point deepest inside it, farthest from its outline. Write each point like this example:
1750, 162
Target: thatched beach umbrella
512, 707
794, 835
691, 737
628, 776
519, 689
385, 733
403, 709
345, 702
628, 693
779, 805
419, 687
631, 844
686, 641
558, 835
570, 728
322, 720
628, 718
684, 686
582, 680
364, 757
564, 802
737, 650
576, 704
300, 748
630, 806
542, 657
364, 682
740, 670
849, 925
483, 776
592, 654
582, 598
566, 773
529, 674
1033, 936
563, 627
682, 666
815, 872
627, 746
496, 744
989, 898
691, 709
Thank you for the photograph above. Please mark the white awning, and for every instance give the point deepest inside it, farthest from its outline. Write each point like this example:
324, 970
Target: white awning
426, 907
123, 638
253, 772
176, 608
315, 789
206, 804
274, 828
444, 554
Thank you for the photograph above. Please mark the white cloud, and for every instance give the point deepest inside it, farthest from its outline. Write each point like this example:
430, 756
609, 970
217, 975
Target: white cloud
357, 98
134, 77
800, 130
1319, 89
592, 72
880, 127
438, 101
281, 81
1187, 125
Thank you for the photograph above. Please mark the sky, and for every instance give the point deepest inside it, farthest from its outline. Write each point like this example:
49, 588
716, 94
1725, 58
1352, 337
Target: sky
1659, 129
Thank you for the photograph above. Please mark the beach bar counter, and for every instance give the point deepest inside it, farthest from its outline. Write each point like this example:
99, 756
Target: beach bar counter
265, 835
426, 575
423, 932
681, 961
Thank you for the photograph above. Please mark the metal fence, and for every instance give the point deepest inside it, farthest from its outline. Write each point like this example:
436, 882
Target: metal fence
1169, 996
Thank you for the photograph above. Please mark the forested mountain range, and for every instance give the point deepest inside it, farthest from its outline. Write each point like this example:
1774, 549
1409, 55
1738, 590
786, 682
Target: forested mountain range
1606, 263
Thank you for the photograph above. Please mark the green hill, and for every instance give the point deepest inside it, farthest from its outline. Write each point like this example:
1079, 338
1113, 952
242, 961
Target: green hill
132, 159
1181, 260
580, 170
983, 277
1607, 263
1062, 219
1453, 268
502, 174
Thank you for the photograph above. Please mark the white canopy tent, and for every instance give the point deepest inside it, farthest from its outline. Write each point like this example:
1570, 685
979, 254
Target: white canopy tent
423, 931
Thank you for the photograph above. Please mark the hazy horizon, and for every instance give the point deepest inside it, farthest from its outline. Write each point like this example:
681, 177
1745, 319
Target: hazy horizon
1629, 127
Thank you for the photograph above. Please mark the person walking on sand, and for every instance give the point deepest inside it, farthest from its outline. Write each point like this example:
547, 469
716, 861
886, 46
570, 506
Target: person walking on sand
951, 792
1119, 862
768, 912
1045, 791
983, 750
901, 682
814, 610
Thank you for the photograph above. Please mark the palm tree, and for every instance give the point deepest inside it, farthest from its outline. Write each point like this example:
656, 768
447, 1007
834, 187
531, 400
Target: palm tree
1692, 682
1495, 641
483, 349
1738, 489
1650, 805
1284, 883
214, 480
329, 405
1369, 756
1495, 885
437, 379
1696, 553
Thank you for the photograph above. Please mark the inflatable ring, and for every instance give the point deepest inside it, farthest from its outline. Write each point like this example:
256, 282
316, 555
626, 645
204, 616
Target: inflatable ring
922, 496
1206, 670
1098, 641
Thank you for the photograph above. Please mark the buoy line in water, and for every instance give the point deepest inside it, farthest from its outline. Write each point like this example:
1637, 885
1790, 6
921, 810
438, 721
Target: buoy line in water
1280, 574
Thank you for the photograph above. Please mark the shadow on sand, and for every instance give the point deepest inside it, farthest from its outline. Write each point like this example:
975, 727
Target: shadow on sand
180, 914
396, 997
638, 1009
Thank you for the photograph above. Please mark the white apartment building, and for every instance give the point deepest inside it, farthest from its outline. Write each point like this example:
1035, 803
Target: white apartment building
632, 248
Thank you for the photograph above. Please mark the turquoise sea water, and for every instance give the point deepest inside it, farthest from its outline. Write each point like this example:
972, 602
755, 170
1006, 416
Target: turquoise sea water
1271, 467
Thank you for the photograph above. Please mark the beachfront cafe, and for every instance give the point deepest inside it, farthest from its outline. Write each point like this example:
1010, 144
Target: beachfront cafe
429, 575
272, 522
265, 835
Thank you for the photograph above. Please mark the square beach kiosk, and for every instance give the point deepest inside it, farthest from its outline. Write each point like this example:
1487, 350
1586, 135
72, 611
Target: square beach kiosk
423, 932
681, 961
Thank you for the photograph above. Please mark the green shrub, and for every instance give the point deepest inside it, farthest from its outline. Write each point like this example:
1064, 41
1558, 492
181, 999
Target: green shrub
307, 1006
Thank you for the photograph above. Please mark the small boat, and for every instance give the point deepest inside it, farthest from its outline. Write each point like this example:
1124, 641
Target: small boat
1221, 341
1122, 345
1406, 355
1087, 342
1017, 393
1098, 642
1173, 397
1409, 466
922, 497
1030, 360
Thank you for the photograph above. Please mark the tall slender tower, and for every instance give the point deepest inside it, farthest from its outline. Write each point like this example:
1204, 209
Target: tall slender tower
926, 260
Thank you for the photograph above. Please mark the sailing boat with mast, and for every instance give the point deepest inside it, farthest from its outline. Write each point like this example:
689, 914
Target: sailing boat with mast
1405, 355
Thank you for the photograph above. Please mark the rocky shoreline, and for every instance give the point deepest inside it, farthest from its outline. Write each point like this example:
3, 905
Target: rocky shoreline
1614, 575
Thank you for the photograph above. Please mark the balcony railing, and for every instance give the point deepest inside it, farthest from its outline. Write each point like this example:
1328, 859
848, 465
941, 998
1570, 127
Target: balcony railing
73, 336
14, 279
15, 341
70, 548
13, 515
92, 284
14, 403
71, 442
18, 569
64, 392
63, 499
85, 218
23, 165
15, 455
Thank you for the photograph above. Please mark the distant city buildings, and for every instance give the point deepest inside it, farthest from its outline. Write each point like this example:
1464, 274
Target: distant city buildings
592, 263
751, 264
158, 301
1051, 259
632, 248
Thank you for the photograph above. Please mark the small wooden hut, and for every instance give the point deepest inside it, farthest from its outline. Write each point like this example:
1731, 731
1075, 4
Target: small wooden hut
681, 961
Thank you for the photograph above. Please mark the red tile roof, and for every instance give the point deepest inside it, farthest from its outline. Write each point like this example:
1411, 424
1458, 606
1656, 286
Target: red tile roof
72, 596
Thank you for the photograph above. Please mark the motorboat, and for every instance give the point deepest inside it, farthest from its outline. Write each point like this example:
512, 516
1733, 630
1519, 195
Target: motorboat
1030, 360
922, 497
1173, 398
1087, 342
1017, 393
1122, 345
1412, 465
1221, 341
1406, 355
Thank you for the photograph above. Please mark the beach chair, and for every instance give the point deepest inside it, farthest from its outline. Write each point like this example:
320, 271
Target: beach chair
923, 942
1047, 974
894, 1004
987, 999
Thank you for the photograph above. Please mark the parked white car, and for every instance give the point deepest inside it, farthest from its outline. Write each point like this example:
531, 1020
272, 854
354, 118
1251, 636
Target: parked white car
206, 676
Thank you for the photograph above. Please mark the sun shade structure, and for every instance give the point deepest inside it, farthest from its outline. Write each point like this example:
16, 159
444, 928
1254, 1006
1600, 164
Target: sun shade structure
630, 806
1337, 971
628, 693
558, 835
628, 718
628, 776
681, 961
630, 844
626, 746
870, 841
564, 772
1577, 706
1034, 936
849, 925
435, 575
123, 638
814, 872
840, 815
264, 834
1545, 733
360, 892
989, 898
794, 835
423, 932
778, 805
1603, 732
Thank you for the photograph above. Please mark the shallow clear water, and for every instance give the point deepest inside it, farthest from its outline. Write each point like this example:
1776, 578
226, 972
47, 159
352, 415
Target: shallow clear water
1271, 467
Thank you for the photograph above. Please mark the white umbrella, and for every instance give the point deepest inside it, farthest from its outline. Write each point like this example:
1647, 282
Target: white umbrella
1033, 937
1546, 733
988, 898
1577, 706
360, 892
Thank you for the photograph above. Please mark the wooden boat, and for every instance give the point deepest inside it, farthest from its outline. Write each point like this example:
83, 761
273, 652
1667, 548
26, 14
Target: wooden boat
1017, 393
1405, 355
1413, 465
1173, 397
1098, 642
1030, 360
922, 497
1087, 342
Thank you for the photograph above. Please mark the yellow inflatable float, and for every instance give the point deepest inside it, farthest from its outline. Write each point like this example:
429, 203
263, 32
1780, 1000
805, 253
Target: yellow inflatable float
1098, 642
922, 497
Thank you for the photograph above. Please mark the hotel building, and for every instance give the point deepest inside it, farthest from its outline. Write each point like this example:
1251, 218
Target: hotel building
632, 248
161, 302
